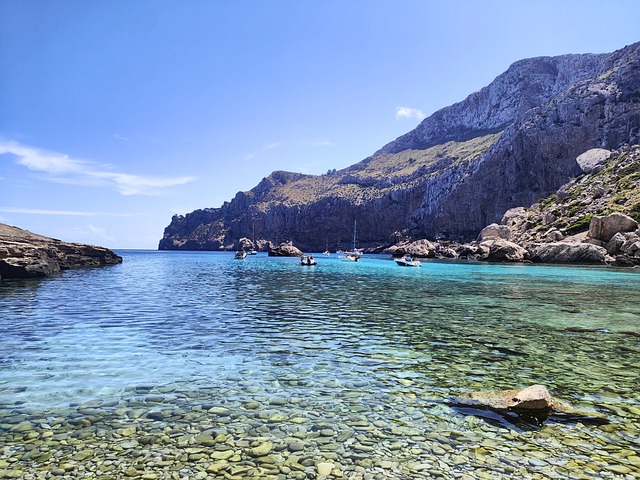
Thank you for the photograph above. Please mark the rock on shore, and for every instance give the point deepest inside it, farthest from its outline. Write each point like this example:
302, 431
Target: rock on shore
285, 250
27, 255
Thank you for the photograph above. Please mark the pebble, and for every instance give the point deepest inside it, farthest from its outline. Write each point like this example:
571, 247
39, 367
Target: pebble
273, 436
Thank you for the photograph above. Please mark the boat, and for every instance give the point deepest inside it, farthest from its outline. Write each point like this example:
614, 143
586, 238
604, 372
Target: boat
307, 261
326, 250
408, 261
240, 255
355, 254
253, 251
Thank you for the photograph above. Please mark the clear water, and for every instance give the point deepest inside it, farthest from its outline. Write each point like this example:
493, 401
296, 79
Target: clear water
395, 341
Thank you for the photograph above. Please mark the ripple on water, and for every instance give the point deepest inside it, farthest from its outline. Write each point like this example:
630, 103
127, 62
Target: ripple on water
343, 368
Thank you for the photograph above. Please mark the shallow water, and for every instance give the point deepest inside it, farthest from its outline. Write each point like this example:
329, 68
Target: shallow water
343, 364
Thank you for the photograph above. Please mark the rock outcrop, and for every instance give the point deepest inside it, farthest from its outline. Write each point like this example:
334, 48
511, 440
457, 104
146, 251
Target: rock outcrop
27, 255
285, 250
533, 403
563, 252
508, 145
593, 218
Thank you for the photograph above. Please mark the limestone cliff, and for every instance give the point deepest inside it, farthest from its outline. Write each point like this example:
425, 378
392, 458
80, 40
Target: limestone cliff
510, 144
26, 255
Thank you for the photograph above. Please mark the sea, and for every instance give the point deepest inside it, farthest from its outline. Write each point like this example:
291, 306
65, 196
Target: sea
185, 365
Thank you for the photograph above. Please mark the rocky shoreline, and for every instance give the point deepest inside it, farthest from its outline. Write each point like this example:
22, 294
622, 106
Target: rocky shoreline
611, 240
24, 254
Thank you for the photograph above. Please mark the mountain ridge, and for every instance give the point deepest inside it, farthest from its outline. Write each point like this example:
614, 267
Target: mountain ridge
510, 144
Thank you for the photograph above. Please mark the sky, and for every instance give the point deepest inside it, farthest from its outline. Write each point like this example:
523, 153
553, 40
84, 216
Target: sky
114, 116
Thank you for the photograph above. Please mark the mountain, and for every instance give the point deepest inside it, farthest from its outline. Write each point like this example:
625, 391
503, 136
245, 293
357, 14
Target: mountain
510, 144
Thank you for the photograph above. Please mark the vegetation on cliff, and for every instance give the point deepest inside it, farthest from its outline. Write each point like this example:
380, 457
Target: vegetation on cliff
508, 145
612, 187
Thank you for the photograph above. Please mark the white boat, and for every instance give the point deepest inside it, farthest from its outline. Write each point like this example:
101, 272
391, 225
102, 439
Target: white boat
252, 252
240, 255
307, 261
355, 254
352, 256
407, 261
326, 250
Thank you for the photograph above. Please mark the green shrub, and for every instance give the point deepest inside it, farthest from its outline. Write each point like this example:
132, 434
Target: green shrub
634, 211
581, 225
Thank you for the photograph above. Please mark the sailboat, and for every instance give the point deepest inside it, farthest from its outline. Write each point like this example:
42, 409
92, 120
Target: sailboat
253, 251
326, 250
354, 254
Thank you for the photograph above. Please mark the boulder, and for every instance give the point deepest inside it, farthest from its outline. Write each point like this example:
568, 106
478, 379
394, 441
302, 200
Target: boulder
495, 231
613, 246
532, 403
501, 250
593, 160
604, 228
285, 250
631, 245
562, 252
24, 254
419, 248
244, 244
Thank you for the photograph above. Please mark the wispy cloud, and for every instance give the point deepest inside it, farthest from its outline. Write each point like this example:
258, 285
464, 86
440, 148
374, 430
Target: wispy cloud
407, 112
71, 213
322, 143
100, 232
122, 138
62, 169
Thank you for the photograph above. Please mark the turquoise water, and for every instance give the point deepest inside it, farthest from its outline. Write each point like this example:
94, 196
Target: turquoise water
338, 345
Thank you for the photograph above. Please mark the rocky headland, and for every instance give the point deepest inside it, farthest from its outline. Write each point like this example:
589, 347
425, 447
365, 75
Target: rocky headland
27, 255
519, 143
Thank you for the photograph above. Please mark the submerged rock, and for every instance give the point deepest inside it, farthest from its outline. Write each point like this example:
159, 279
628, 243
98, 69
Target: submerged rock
533, 403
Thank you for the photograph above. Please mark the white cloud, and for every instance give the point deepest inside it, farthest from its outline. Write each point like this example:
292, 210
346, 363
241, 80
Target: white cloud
72, 213
407, 112
100, 233
322, 143
60, 168
122, 138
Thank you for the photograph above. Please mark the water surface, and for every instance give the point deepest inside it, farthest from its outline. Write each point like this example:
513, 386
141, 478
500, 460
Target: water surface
354, 361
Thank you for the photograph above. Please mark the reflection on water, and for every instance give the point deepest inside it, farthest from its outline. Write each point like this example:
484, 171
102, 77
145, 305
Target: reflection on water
397, 341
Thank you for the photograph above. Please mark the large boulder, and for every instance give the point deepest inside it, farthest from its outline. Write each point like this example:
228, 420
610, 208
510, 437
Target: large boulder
495, 231
604, 228
593, 159
24, 254
501, 250
285, 250
532, 401
419, 248
562, 252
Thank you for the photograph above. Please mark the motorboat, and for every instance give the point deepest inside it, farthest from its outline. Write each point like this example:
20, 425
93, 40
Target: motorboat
408, 261
307, 261
240, 255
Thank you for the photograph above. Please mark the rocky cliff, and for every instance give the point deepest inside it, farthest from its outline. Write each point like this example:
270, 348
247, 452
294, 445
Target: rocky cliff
26, 255
508, 145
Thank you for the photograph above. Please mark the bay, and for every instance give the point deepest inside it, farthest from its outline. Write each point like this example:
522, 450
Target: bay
349, 363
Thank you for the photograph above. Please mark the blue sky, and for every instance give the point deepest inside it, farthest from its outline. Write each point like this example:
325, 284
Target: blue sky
116, 115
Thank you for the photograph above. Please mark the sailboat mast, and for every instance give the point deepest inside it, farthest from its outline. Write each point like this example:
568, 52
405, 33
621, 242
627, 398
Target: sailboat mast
354, 235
